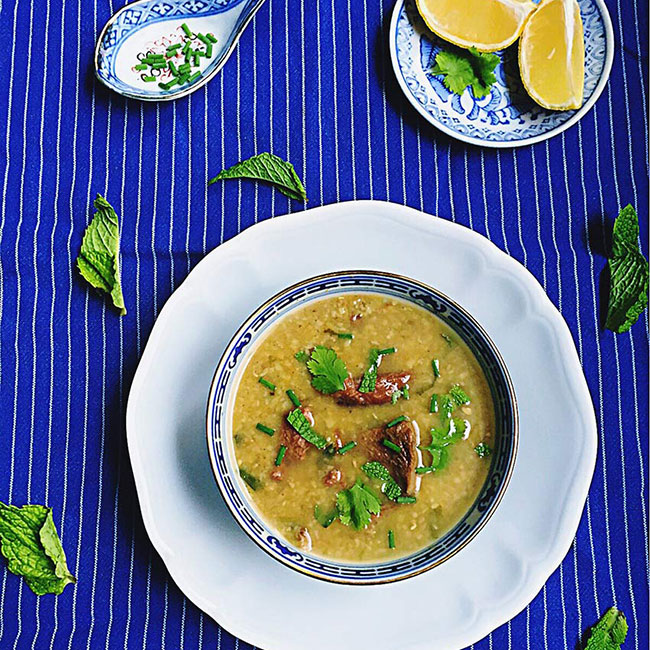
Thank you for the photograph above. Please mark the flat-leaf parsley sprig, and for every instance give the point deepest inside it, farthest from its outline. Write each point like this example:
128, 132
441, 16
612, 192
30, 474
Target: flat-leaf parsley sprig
461, 68
329, 372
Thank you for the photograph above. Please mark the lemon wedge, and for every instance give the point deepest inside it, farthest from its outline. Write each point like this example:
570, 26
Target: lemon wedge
487, 25
552, 55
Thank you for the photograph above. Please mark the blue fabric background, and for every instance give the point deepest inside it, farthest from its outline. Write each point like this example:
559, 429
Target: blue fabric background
311, 81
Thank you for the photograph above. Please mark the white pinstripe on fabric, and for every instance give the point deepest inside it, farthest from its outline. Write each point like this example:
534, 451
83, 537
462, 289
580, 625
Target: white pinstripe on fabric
519, 229
420, 177
320, 110
467, 195
383, 98
336, 110
539, 229
271, 89
255, 140
501, 203
352, 130
368, 112
451, 193
239, 153
639, 58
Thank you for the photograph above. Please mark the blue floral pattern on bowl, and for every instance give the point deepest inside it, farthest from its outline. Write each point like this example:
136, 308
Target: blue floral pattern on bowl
221, 445
507, 117
151, 25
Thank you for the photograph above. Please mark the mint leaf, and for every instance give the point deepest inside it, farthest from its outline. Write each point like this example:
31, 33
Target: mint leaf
628, 270
369, 380
300, 423
482, 450
609, 633
98, 259
356, 505
270, 168
390, 487
31, 545
458, 396
462, 68
328, 370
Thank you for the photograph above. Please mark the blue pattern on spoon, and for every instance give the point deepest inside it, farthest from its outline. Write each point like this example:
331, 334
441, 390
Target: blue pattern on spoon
146, 25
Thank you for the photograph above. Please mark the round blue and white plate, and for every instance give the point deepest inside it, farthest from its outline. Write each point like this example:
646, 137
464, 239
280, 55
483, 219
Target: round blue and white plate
507, 117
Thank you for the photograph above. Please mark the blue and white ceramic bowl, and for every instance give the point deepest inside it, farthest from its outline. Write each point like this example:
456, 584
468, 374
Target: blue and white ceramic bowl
150, 26
507, 117
221, 446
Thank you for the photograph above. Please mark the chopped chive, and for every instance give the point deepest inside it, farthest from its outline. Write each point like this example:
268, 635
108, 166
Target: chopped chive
388, 351
196, 56
264, 429
433, 407
187, 30
194, 77
211, 37
149, 78
171, 50
208, 50
267, 384
156, 57
141, 66
159, 66
184, 67
345, 448
345, 335
405, 499
395, 396
202, 38
281, 452
186, 47
391, 539
293, 397
397, 420
164, 86
173, 68
435, 364
391, 445
405, 392
424, 470
302, 356
251, 480
169, 84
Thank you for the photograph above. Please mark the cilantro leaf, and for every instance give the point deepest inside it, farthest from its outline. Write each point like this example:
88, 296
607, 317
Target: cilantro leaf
390, 487
29, 541
458, 396
99, 258
270, 168
609, 633
328, 370
356, 505
628, 269
462, 68
300, 423
369, 381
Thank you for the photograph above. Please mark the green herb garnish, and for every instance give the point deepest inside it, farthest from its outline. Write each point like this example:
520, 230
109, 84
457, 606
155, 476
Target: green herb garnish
446, 406
482, 450
356, 505
329, 372
433, 407
293, 397
300, 423
280, 457
252, 481
406, 394
458, 396
391, 445
628, 270
99, 258
369, 380
31, 545
609, 633
267, 384
270, 168
302, 356
435, 365
345, 448
388, 351
264, 429
325, 519
462, 68
406, 499
391, 539
440, 441
345, 335
378, 471
397, 420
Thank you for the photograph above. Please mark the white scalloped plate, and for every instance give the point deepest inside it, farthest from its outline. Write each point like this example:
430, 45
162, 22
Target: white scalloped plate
252, 595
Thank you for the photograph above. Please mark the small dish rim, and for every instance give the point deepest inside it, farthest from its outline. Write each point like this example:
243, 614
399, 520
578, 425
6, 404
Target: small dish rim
384, 579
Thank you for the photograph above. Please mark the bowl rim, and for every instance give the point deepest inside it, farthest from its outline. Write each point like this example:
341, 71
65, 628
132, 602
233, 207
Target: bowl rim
279, 557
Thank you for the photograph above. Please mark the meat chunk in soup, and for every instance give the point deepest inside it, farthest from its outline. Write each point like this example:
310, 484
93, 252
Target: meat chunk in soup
386, 385
401, 465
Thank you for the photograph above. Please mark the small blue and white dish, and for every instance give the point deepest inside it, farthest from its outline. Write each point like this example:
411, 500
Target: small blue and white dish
221, 445
150, 27
507, 117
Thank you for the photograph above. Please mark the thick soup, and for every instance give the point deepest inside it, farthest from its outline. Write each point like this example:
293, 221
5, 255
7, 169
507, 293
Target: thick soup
362, 427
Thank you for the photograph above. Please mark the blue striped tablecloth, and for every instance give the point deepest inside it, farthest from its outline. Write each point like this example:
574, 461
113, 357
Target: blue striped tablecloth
311, 81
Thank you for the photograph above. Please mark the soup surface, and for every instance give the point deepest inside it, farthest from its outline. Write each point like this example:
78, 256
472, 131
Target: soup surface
383, 497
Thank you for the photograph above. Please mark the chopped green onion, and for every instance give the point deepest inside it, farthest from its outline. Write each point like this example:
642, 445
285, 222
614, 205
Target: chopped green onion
173, 68
345, 448
208, 50
391, 539
435, 364
388, 351
149, 78
141, 66
251, 480
424, 470
293, 397
186, 47
184, 67
405, 499
433, 407
345, 335
264, 429
159, 66
281, 452
202, 38
267, 384
187, 30
302, 356
172, 48
196, 56
397, 420
194, 77
211, 37
391, 445
405, 392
